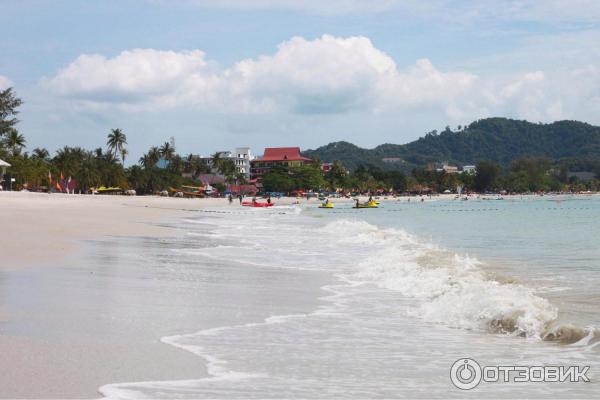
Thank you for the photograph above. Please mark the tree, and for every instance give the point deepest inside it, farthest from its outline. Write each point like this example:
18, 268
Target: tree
307, 177
14, 141
41, 153
485, 178
534, 171
194, 165
278, 180
167, 151
217, 161
9, 102
124, 153
138, 178
336, 175
149, 160
225, 166
116, 143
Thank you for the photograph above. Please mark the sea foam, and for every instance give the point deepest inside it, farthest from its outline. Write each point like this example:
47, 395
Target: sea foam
448, 288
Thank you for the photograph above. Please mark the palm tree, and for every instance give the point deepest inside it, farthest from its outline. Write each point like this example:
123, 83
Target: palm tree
150, 159
41, 153
167, 151
197, 166
68, 160
14, 141
116, 141
217, 161
124, 153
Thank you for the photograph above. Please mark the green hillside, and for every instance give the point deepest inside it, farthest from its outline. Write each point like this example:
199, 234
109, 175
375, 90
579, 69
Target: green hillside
499, 140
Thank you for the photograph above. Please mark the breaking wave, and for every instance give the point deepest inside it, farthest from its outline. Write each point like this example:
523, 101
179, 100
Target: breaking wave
452, 289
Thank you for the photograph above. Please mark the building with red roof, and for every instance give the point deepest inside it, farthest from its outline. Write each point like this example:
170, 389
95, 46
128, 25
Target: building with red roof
277, 156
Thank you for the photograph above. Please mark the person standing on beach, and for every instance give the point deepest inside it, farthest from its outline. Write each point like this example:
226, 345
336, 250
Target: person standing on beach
240, 197
230, 198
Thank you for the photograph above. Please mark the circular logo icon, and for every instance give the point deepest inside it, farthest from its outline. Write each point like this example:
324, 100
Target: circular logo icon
465, 373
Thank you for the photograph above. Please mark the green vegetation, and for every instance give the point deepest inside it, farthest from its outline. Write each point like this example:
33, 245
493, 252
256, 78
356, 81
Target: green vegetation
227, 168
499, 140
89, 168
306, 177
513, 156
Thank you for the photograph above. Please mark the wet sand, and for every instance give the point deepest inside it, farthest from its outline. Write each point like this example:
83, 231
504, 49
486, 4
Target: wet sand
86, 292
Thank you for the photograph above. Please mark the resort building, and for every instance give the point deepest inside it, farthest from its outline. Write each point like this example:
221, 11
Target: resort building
241, 157
447, 168
469, 169
3, 166
277, 156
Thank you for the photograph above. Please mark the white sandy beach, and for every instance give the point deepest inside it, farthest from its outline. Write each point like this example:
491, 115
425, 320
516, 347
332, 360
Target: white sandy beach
43, 246
90, 284
46, 231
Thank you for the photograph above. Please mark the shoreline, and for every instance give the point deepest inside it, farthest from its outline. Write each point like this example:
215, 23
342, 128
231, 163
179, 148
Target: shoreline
78, 312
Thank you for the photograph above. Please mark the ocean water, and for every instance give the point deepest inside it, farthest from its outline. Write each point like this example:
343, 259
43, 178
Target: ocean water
406, 290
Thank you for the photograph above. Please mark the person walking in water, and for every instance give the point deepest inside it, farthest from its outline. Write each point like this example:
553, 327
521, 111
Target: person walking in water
230, 198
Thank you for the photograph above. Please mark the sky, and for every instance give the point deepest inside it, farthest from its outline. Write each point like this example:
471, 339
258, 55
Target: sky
220, 74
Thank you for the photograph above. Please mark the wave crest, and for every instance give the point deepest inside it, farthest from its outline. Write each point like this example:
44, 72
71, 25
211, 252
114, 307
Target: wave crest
449, 288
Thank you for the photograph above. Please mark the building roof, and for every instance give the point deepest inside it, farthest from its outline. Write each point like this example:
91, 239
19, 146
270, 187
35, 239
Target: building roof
4, 164
283, 153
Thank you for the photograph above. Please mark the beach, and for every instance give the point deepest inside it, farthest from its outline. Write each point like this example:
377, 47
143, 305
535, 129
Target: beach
48, 240
43, 232
152, 297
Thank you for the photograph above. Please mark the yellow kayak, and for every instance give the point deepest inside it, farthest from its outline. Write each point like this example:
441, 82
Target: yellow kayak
326, 205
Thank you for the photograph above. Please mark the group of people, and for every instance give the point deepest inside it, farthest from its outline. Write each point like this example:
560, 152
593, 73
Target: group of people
241, 198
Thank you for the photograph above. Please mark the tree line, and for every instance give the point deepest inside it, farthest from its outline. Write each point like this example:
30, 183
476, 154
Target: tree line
161, 168
524, 175
158, 169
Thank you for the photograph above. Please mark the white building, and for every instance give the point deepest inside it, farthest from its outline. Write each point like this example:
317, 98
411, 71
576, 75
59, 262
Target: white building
469, 169
241, 157
3, 166
447, 168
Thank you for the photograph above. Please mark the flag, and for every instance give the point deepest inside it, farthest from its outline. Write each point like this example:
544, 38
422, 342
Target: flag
49, 178
62, 177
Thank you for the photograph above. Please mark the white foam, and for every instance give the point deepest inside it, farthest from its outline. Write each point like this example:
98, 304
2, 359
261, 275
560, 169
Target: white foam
451, 289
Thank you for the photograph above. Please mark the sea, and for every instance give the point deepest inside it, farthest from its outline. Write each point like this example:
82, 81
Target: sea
381, 303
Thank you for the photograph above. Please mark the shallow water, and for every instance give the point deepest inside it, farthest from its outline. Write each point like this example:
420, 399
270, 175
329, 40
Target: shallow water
413, 287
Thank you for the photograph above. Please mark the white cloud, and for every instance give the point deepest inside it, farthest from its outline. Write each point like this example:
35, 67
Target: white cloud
328, 75
138, 79
321, 76
5, 82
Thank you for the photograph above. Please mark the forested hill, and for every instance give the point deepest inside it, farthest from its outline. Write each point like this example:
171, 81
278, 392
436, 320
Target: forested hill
500, 140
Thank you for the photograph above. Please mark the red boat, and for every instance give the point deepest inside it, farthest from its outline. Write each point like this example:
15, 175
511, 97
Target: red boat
255, 204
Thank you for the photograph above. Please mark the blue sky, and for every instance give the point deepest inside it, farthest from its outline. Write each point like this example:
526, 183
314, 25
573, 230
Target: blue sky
219, 74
